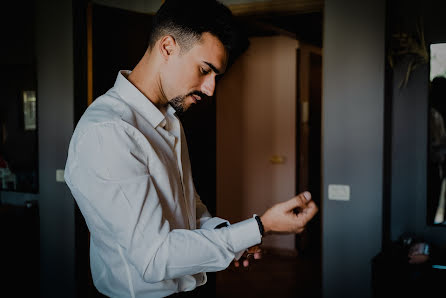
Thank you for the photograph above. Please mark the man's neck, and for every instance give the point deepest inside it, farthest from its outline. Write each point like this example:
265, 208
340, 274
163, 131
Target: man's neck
145, 77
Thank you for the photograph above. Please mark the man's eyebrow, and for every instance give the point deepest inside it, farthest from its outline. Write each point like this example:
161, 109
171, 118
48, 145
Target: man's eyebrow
215, 69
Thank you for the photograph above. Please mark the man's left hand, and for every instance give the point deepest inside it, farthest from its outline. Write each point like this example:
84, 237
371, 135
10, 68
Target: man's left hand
254, 252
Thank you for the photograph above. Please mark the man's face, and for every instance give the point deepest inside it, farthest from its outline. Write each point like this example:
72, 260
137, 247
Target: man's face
192, 74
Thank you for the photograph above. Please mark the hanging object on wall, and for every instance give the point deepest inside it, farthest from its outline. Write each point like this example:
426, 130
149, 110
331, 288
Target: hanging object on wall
410, 47
29, 110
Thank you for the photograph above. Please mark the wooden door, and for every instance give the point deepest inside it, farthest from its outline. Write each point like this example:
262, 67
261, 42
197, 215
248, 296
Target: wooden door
309, 142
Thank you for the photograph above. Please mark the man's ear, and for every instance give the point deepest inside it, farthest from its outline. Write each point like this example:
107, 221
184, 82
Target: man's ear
168, 46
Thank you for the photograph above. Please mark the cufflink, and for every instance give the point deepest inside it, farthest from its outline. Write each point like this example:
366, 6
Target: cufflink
222, 225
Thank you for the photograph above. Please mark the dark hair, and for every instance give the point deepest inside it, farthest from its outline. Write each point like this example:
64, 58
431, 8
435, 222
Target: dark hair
187, 20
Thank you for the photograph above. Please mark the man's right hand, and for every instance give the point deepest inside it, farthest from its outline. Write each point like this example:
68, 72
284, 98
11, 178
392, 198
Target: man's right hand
282, 218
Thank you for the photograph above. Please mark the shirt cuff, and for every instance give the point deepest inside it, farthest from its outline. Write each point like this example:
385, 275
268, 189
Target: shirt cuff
239, 254
213, 222
245, 234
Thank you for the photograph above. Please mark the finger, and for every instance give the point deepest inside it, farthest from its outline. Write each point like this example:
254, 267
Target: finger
245, 263
236, 264
310, 210
307, 214
257, 255
253, 249
257, 249
298, 201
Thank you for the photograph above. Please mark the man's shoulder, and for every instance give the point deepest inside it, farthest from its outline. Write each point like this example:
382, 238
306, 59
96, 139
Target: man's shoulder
107, 110
106, 107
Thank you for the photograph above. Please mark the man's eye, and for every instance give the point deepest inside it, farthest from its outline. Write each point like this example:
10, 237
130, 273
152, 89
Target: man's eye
204, 71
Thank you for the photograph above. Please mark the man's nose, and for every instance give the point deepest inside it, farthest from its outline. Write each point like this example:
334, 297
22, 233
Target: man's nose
208, 86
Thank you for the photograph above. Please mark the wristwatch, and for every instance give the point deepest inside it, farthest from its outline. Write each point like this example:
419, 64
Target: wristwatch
259, 222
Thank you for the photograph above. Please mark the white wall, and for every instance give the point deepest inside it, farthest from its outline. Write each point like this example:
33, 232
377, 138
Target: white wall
256, 105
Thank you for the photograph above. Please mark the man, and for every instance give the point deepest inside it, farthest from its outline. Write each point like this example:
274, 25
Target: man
129, 171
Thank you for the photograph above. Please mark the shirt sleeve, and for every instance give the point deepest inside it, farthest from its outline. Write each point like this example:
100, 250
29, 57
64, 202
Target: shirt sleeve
107, 171
204, 218
206, 221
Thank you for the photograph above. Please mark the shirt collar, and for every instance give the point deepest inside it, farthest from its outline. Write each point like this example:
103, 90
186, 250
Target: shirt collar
130, 94
171, 110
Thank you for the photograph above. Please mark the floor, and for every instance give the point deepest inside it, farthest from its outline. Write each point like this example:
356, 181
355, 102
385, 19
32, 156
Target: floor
19, 250
275, 275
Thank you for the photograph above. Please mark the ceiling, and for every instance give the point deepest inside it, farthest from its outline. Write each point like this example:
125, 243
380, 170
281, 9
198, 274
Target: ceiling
305, 27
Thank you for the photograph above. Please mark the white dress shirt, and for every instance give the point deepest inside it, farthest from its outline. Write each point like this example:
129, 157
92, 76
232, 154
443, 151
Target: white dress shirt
128, 169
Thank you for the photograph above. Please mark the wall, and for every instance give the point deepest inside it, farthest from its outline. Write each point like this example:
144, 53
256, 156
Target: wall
256, 105
54, 51
17, 56
410, 125
352, 143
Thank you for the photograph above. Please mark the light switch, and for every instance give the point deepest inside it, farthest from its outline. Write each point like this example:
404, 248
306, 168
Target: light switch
60, 175
339, 192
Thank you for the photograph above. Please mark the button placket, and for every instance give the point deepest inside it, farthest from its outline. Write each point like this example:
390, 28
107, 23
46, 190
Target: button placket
177, 148
173, 142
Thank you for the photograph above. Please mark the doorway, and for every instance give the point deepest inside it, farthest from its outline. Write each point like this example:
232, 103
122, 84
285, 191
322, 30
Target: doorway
268, 150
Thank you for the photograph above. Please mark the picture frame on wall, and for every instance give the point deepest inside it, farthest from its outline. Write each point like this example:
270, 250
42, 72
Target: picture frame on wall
29, 110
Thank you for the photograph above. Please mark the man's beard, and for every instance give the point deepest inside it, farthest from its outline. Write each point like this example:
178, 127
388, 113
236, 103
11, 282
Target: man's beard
178, 103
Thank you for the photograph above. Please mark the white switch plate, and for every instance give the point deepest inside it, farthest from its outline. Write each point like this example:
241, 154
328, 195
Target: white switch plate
339, 192
60, 175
